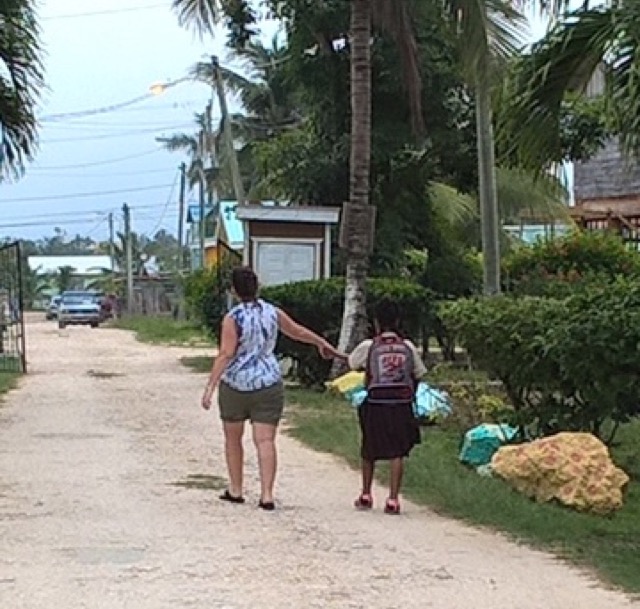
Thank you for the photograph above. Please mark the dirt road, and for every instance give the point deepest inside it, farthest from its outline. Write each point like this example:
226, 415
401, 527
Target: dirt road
103, 453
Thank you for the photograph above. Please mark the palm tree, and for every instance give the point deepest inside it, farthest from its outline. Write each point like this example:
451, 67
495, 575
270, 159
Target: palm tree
489, 33
563, 62
267, 103
63, 279
359, 215
21, 79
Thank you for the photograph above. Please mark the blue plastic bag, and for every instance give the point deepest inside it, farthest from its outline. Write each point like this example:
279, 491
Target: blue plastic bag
483, 441
429, 402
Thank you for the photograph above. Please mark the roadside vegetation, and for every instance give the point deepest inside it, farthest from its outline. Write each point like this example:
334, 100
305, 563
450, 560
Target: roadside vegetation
164, 331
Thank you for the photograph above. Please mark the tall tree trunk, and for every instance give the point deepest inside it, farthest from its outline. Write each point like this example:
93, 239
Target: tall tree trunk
354, 322
489, 215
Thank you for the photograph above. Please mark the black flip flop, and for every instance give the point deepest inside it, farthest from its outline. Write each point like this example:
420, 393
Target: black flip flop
268, 506
227, 496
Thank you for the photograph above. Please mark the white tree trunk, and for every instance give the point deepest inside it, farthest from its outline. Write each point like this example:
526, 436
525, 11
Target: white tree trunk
354, 321
489, 214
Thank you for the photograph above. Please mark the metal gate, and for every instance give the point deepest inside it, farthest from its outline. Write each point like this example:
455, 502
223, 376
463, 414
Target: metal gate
12, 336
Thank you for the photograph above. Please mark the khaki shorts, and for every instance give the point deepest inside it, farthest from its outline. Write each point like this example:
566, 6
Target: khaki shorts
261, 406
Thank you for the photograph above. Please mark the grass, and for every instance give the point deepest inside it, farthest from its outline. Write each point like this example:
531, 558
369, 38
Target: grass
8, 381
198, 363
164, 331
434, 477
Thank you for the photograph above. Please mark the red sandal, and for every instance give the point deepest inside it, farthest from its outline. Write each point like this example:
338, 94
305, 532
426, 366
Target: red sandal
392, 507
364, 502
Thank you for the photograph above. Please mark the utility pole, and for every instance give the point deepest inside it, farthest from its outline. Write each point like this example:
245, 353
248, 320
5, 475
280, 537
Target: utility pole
227, 132
201, 193
111, 241
183, 185
129, 256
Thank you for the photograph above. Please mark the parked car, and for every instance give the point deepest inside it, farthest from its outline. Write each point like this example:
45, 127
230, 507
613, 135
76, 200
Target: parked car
52, 308
79, 309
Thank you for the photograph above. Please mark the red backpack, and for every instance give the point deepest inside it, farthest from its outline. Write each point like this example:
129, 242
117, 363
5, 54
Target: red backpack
389, 373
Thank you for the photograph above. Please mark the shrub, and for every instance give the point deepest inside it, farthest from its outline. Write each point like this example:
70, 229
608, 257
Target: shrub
205, 294
315, 304
319, 306
566, 365
557, 267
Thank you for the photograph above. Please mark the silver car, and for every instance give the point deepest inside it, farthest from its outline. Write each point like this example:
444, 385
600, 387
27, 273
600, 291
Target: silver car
52, 309
79, 309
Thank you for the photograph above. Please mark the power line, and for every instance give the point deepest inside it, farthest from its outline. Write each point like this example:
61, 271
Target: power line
99, 163
119, 174
104, 136
90, 214
82, 195
93, 111
166, 207
115, 11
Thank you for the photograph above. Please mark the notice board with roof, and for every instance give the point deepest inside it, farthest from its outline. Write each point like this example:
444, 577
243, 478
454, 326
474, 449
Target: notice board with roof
287, 243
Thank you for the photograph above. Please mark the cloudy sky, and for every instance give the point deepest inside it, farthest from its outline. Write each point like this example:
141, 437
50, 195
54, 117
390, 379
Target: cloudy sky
101, 53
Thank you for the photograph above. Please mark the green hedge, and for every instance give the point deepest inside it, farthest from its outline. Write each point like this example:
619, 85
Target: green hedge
319, 306
205, 294
558, 267
315, 304
571, 364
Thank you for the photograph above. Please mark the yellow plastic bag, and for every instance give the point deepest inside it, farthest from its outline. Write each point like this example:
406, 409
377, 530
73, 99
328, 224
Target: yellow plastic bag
346, 382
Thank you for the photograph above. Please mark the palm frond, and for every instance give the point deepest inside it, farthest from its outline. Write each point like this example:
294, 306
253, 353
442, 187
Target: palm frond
200, 16
180, 142
21, 82
395, 17
564, 61
453, 207
489, 32
523, 194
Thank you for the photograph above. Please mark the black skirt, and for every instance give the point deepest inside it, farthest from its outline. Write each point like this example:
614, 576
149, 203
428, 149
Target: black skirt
389, 431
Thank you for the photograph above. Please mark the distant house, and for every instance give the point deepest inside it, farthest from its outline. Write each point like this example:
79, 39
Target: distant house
88, 265
608, 183
224, 232
85, 267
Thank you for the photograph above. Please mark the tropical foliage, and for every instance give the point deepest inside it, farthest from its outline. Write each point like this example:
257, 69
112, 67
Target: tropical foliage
21, 81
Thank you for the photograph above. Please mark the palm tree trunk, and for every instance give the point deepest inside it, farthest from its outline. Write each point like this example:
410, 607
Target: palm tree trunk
489, 216
354, 321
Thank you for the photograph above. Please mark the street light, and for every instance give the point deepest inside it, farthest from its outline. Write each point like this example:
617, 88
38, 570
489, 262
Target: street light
159, 88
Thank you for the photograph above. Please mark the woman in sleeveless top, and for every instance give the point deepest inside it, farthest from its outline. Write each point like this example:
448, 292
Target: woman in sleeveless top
249, 381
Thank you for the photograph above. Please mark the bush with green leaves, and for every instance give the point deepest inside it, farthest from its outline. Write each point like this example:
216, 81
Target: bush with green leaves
205, 295
315, 304
319, 306
566, 365
558, 267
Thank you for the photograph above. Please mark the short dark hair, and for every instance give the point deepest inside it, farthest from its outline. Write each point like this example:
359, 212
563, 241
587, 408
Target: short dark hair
244, 282
388, 315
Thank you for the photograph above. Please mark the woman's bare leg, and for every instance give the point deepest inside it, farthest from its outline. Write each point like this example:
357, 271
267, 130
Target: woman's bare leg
264, 436
234, 453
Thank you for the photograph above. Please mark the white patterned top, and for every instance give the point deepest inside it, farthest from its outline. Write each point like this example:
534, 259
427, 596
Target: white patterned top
254, 365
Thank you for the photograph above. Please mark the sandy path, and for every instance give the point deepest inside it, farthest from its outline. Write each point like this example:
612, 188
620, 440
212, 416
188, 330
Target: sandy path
90, 517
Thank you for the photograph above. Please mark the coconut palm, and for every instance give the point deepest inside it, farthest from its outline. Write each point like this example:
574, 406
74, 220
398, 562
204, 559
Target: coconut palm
564, 61
489, 32
397, 20
63, 279
21, 79
267, 101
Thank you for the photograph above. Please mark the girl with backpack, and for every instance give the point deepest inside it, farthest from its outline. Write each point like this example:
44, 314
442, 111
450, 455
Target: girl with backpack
389, 427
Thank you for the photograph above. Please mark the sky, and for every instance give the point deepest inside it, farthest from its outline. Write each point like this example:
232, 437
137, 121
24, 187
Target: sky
101, 53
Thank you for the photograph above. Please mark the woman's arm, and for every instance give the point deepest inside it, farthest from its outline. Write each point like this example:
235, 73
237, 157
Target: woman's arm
303, 335
228, 346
